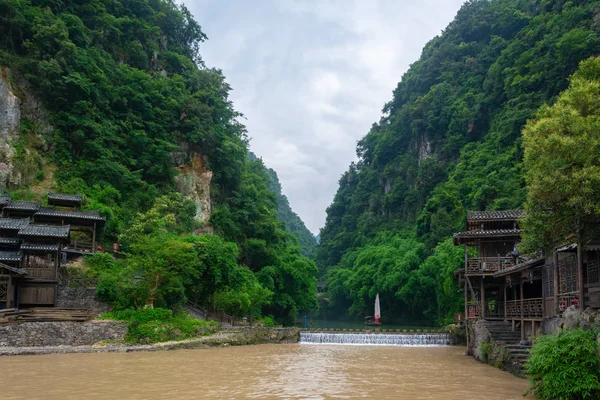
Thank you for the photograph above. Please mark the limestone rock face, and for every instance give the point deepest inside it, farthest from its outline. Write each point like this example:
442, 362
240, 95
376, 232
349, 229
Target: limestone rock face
10, 112
193, 181
10, 118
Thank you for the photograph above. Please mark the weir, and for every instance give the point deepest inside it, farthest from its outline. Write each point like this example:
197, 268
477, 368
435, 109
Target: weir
376, 339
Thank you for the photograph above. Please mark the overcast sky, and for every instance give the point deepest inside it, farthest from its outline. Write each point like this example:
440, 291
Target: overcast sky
311, 77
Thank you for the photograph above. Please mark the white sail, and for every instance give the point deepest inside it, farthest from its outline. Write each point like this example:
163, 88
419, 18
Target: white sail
377, 309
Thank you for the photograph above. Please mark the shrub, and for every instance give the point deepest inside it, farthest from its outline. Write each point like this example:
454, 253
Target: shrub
269, 321
152, 325
485, 348
565, 366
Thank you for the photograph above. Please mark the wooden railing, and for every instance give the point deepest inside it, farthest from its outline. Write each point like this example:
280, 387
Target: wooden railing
484, 265
526, 308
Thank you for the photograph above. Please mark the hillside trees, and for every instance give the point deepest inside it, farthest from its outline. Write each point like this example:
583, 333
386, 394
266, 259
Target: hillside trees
124, 88
450, 138
562, 161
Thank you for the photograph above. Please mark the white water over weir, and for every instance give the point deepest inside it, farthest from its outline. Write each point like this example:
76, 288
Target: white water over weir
377, 339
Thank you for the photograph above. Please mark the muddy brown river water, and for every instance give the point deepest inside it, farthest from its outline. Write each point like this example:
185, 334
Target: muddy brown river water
295, 371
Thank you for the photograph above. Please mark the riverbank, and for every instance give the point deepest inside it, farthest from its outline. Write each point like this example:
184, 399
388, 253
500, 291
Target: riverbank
224, 338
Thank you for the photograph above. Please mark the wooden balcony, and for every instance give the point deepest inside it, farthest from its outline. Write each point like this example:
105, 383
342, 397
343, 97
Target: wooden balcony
487, 265
526, 308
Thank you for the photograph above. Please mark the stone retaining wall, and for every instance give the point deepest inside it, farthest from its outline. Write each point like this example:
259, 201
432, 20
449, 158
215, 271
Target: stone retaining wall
67, 297
30, 334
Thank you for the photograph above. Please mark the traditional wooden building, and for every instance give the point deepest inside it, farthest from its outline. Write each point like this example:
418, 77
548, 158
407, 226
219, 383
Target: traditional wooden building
501, 284
21, 209
85, 225
34, 242
9, 277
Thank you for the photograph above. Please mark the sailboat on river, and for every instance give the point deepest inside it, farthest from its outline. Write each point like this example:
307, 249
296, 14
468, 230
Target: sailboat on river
375, 319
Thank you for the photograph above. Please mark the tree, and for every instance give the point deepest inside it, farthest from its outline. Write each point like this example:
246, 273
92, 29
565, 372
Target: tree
562, 161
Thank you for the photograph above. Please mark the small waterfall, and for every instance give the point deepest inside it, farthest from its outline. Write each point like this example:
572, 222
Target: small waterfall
377, 339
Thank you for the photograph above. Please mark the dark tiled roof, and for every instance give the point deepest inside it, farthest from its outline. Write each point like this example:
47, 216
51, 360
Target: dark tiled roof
5, 200
507, 215
462, 237
39, 247
7, 240
6, 256
13, 223
81, 214
535, 262
23, 205
46, 231
19, 271
65, 198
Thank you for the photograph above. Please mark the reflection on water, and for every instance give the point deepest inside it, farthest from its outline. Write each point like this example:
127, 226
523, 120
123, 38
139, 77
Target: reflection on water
260, 372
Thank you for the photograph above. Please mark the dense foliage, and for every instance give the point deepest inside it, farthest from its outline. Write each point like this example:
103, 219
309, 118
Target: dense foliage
562, 162
166, 266
293, 223
449, 141
152, 325
565, 366
125, 89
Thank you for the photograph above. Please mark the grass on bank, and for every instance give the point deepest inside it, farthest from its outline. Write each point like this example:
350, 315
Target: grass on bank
154, 325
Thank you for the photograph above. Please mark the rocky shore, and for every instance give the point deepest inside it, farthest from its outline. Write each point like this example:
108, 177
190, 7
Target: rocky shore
224, 338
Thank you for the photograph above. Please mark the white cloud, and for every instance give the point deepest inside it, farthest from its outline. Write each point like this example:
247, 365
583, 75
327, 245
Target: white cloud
312, 76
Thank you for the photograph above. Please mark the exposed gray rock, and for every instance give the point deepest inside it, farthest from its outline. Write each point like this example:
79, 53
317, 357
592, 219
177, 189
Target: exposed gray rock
193, 181
10, 112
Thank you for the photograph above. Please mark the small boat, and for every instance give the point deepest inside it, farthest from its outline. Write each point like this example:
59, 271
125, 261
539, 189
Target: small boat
374, 320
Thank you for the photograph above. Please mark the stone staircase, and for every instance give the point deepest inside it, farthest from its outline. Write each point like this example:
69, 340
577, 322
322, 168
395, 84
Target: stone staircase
502, 334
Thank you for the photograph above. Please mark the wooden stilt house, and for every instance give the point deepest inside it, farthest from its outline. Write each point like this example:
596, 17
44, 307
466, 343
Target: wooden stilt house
500, 284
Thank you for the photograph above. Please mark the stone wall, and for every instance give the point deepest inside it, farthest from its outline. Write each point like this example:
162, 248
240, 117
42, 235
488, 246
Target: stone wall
67, 297
61, 333
571, 318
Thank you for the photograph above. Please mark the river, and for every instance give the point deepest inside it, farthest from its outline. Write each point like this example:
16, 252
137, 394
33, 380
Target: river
294, 371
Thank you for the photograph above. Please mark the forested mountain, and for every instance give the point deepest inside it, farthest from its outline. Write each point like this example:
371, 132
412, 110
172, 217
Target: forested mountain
117, 104
292, 221
449, 141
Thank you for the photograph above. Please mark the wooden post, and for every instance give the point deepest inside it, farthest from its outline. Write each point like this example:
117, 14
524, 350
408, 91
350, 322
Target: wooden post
94, 239
482, 299
522, 322
505, 299
9, 292
580, 282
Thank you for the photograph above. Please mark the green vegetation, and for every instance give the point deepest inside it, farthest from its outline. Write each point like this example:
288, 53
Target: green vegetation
565, 366
153, 325
562, 162
449, 141
485, 349
293, 223
126, 93
165, 266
